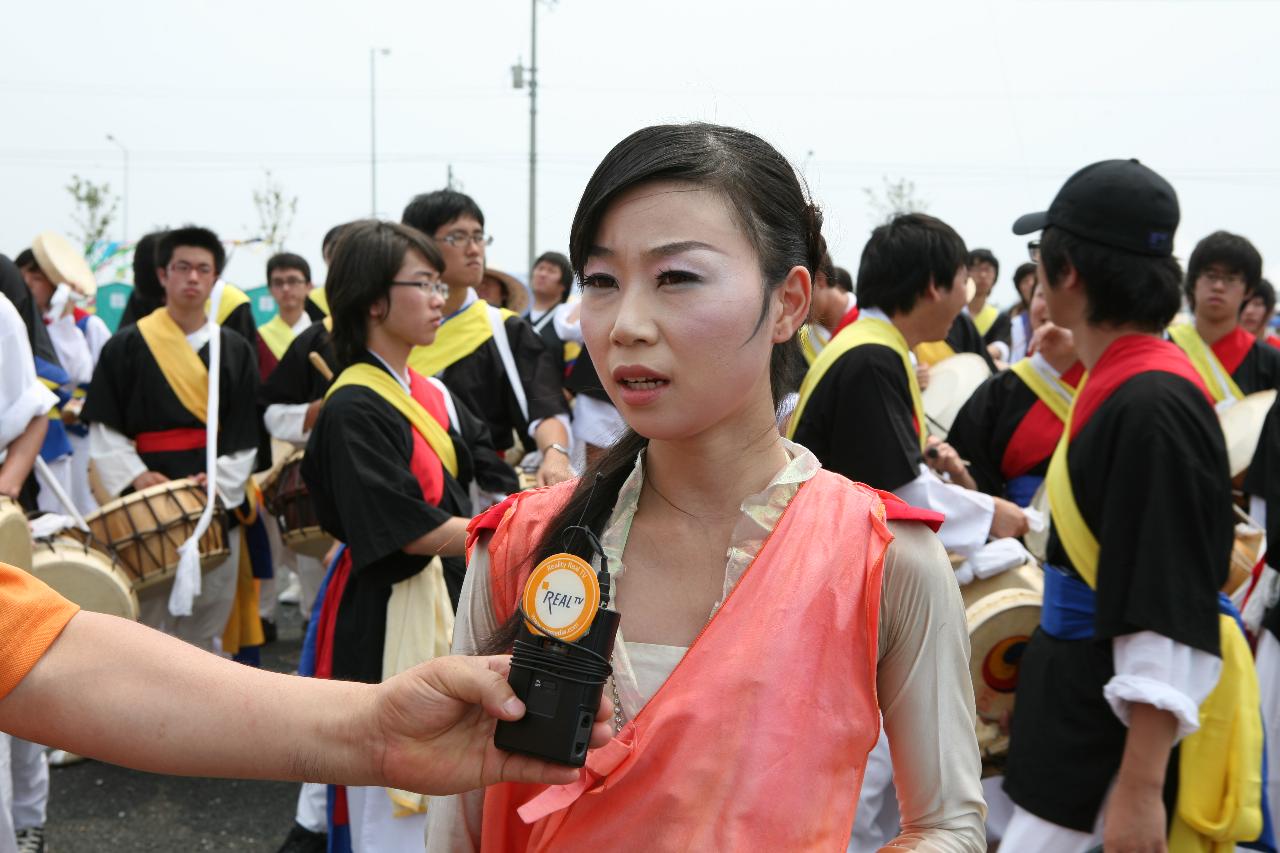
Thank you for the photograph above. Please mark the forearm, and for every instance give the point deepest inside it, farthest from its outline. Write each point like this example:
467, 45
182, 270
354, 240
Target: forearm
551, 431
1147, 747
447, 540
178, 710
22, 452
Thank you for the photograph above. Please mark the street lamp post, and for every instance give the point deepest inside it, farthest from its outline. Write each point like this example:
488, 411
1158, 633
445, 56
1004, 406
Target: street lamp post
517, 77
124, 230
373, 129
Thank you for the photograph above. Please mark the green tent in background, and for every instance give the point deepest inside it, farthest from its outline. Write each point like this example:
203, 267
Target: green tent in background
110, 302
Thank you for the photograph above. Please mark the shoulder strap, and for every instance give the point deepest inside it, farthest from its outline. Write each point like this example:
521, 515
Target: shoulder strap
186, 374
497, 321
1051, 390
1215, 376
386, 387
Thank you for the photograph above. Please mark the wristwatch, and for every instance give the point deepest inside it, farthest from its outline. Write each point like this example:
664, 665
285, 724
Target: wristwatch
556, 446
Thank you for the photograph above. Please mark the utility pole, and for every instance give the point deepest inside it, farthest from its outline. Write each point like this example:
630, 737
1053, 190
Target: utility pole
373, 129
124, 228
533, 137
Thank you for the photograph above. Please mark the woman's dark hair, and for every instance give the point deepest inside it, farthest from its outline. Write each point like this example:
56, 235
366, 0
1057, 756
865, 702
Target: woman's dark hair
903, 257
330, 240
428, 211
779, 221
1122, 288
365, 261
190, 235
288, 261
145, 280
1230, 251
1266, 293
983, 256
566, 270
1023, 270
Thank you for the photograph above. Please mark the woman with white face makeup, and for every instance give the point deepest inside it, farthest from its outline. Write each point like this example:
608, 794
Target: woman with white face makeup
771, 612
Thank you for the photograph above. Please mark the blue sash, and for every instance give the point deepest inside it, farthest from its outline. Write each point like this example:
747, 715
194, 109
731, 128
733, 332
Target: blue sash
1022, 489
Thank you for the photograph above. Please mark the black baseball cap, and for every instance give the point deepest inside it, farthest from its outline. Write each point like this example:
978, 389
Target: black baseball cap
1118, 203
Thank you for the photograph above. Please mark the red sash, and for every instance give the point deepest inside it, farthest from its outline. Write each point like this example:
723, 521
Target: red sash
1036, 435
171, 440
1232, 347
1125, 358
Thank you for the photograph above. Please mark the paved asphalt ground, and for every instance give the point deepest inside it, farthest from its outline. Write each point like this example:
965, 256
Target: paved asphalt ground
95, 807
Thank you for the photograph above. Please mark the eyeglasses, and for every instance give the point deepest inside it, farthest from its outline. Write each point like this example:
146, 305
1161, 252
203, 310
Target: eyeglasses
1033, 250
288, 282
435, 287
460, 238
184, 268
1224, 278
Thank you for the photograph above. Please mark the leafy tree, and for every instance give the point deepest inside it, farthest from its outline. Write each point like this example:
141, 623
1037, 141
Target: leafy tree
276, 212
894, 198
95, 211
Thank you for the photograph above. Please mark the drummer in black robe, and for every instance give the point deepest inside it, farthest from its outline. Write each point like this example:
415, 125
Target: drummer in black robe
1136, 652
1223, 273
388, 467
550, 282
1008, 428
491, 358
860, 410
147, 405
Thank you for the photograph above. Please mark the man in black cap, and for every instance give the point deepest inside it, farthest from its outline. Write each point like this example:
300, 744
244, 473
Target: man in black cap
1135, 693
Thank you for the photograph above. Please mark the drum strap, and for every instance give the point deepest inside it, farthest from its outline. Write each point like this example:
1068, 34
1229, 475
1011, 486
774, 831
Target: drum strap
182, 368
1220, 765
385, 386
868, 329
1206, 362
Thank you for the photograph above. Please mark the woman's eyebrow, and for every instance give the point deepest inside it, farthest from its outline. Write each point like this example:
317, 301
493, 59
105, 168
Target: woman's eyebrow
666, 250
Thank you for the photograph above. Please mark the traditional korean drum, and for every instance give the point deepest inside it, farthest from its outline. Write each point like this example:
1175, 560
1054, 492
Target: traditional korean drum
15, 535
1002, 612
951, 382
144, 530
288, 500
1242, 423
85, 576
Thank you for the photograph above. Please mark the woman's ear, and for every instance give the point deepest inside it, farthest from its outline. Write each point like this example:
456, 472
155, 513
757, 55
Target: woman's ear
795, 296
378, 310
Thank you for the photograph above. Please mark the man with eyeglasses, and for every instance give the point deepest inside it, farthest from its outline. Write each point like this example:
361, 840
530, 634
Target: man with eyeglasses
289, 280
1222, 274
490, 357
147, 408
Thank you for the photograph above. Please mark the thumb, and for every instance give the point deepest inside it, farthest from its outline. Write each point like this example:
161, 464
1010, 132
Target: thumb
474, 681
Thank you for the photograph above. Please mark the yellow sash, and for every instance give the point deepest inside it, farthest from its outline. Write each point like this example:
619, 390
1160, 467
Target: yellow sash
1043, 387
1220, 765
864, 330
384, 384
186, 374
1215, 376
320, 299
933, 352
986, 318
277, 334
456, 340
232, 298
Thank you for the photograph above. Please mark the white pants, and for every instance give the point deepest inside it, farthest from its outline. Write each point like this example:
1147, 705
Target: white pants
313, 807
1028, 832
8, 843
81, 491
310, 570
374, 830
999, 807
209, 613
876, 823
30, 769
1268, 665
47, 501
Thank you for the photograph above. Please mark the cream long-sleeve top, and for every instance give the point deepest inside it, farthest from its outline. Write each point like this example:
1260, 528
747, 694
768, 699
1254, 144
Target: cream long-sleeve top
922, 678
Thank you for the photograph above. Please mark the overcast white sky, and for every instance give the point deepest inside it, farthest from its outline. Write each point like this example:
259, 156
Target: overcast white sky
987, 105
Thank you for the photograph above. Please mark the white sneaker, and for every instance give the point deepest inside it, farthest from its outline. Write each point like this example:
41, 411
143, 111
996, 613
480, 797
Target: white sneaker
62, 758
291, 594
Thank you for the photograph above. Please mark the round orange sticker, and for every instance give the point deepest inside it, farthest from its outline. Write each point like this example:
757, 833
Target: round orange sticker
561, 597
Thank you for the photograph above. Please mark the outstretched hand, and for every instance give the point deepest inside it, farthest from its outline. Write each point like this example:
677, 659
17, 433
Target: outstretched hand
435, 726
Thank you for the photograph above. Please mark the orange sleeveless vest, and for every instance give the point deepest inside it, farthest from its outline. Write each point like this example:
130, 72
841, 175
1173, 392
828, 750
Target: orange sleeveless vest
759, 738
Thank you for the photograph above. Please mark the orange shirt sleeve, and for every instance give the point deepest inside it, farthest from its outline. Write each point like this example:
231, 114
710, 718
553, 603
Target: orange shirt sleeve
31, 617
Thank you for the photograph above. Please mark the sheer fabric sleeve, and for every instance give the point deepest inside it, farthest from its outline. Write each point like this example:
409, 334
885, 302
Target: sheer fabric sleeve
926, 698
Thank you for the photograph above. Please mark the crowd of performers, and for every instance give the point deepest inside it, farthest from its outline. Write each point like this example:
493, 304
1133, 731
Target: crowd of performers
741, 423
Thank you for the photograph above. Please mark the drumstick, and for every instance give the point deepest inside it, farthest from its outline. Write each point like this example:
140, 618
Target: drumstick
318, 362
52, 482
1245, 517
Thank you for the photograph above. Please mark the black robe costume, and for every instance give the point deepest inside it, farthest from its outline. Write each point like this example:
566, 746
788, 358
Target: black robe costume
859, 420
130, 394
357, 469
1149, 473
